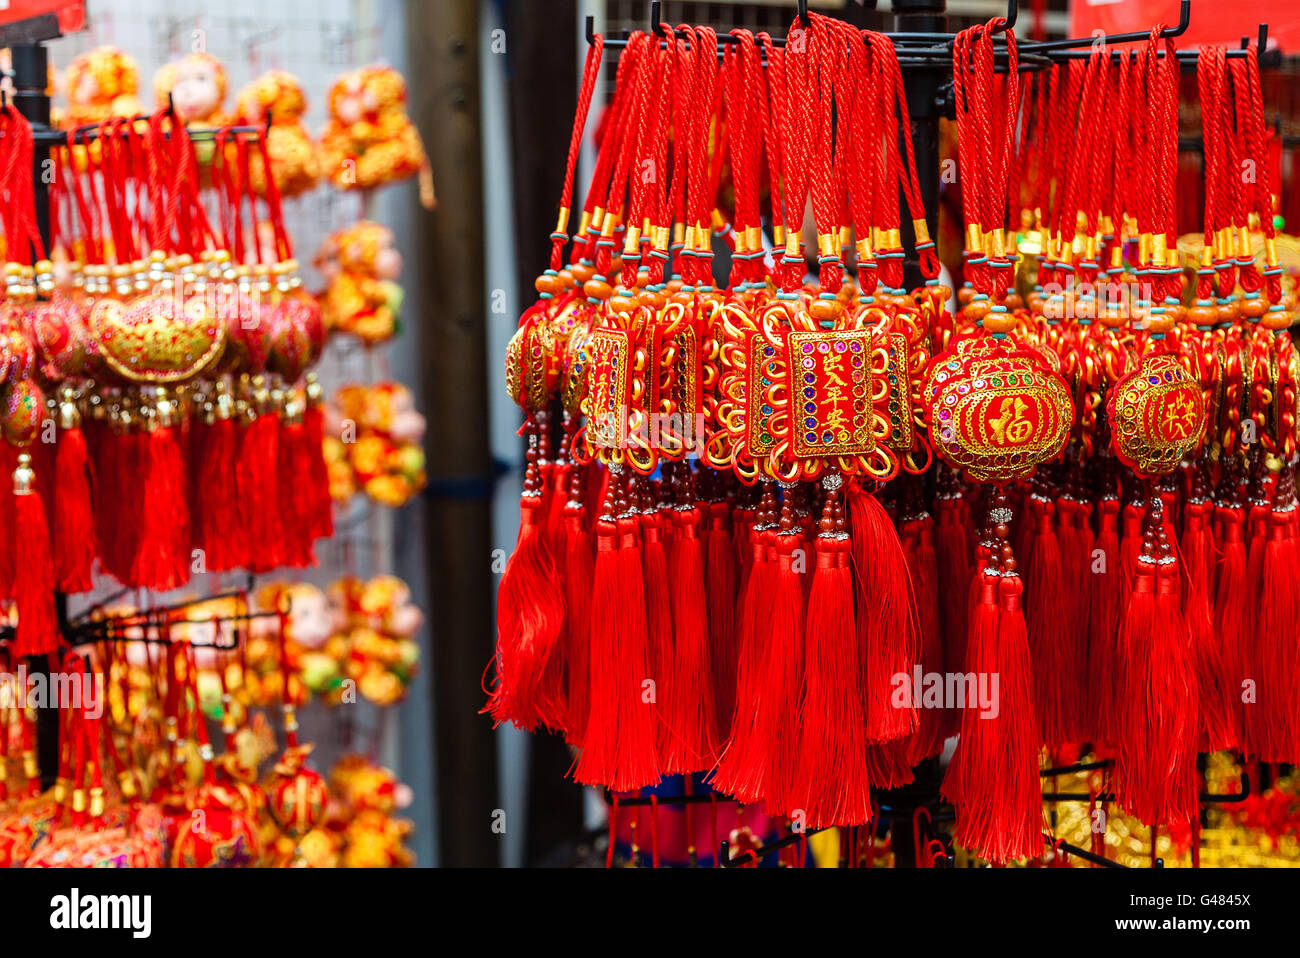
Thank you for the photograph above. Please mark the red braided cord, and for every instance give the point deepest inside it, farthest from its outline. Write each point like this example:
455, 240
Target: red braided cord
800, 115
645, 149
1259, 146
590, 72
772, 109
683, 90
619, 107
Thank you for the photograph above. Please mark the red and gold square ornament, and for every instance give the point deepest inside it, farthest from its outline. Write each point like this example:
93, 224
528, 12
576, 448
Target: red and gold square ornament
816, 399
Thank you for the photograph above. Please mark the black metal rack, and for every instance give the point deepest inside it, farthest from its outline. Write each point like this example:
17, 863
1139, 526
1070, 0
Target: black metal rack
30, 67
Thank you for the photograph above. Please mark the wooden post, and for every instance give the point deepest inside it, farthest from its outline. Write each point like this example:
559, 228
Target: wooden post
447, 283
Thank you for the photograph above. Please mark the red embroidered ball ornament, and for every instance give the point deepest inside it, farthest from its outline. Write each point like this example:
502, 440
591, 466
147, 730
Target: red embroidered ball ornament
994, 410
1157, 415
296, 795
220, 833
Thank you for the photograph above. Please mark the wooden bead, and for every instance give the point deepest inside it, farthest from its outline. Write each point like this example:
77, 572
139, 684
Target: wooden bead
549, 284
826, 310
976, 310
653, 298
597, 289
1275, 319
1254, 308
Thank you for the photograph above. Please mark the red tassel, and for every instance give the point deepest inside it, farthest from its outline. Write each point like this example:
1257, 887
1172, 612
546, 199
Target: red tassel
552, 686
1231, 614
658, 613
74, 523
8, 532
888, 639
1075, 537
833, 787
1197, 555
257, 480
953, 575
318, 484
295, 504
983, 621
918, 546
1155, 770
720, 592
993, 778
220, 532
125, 519
692, 743
1130, 546
1272, 726
37, 631
618, 745
782, 686
1057, 674
740, 770
578, 573
1103, 621
529, 617
888, 764
162, 559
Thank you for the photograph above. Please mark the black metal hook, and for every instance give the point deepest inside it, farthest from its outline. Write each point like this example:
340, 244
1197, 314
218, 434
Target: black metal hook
1184, 19
1013, 13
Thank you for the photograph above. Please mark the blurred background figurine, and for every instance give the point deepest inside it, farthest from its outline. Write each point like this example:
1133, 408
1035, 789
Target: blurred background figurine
370, 141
